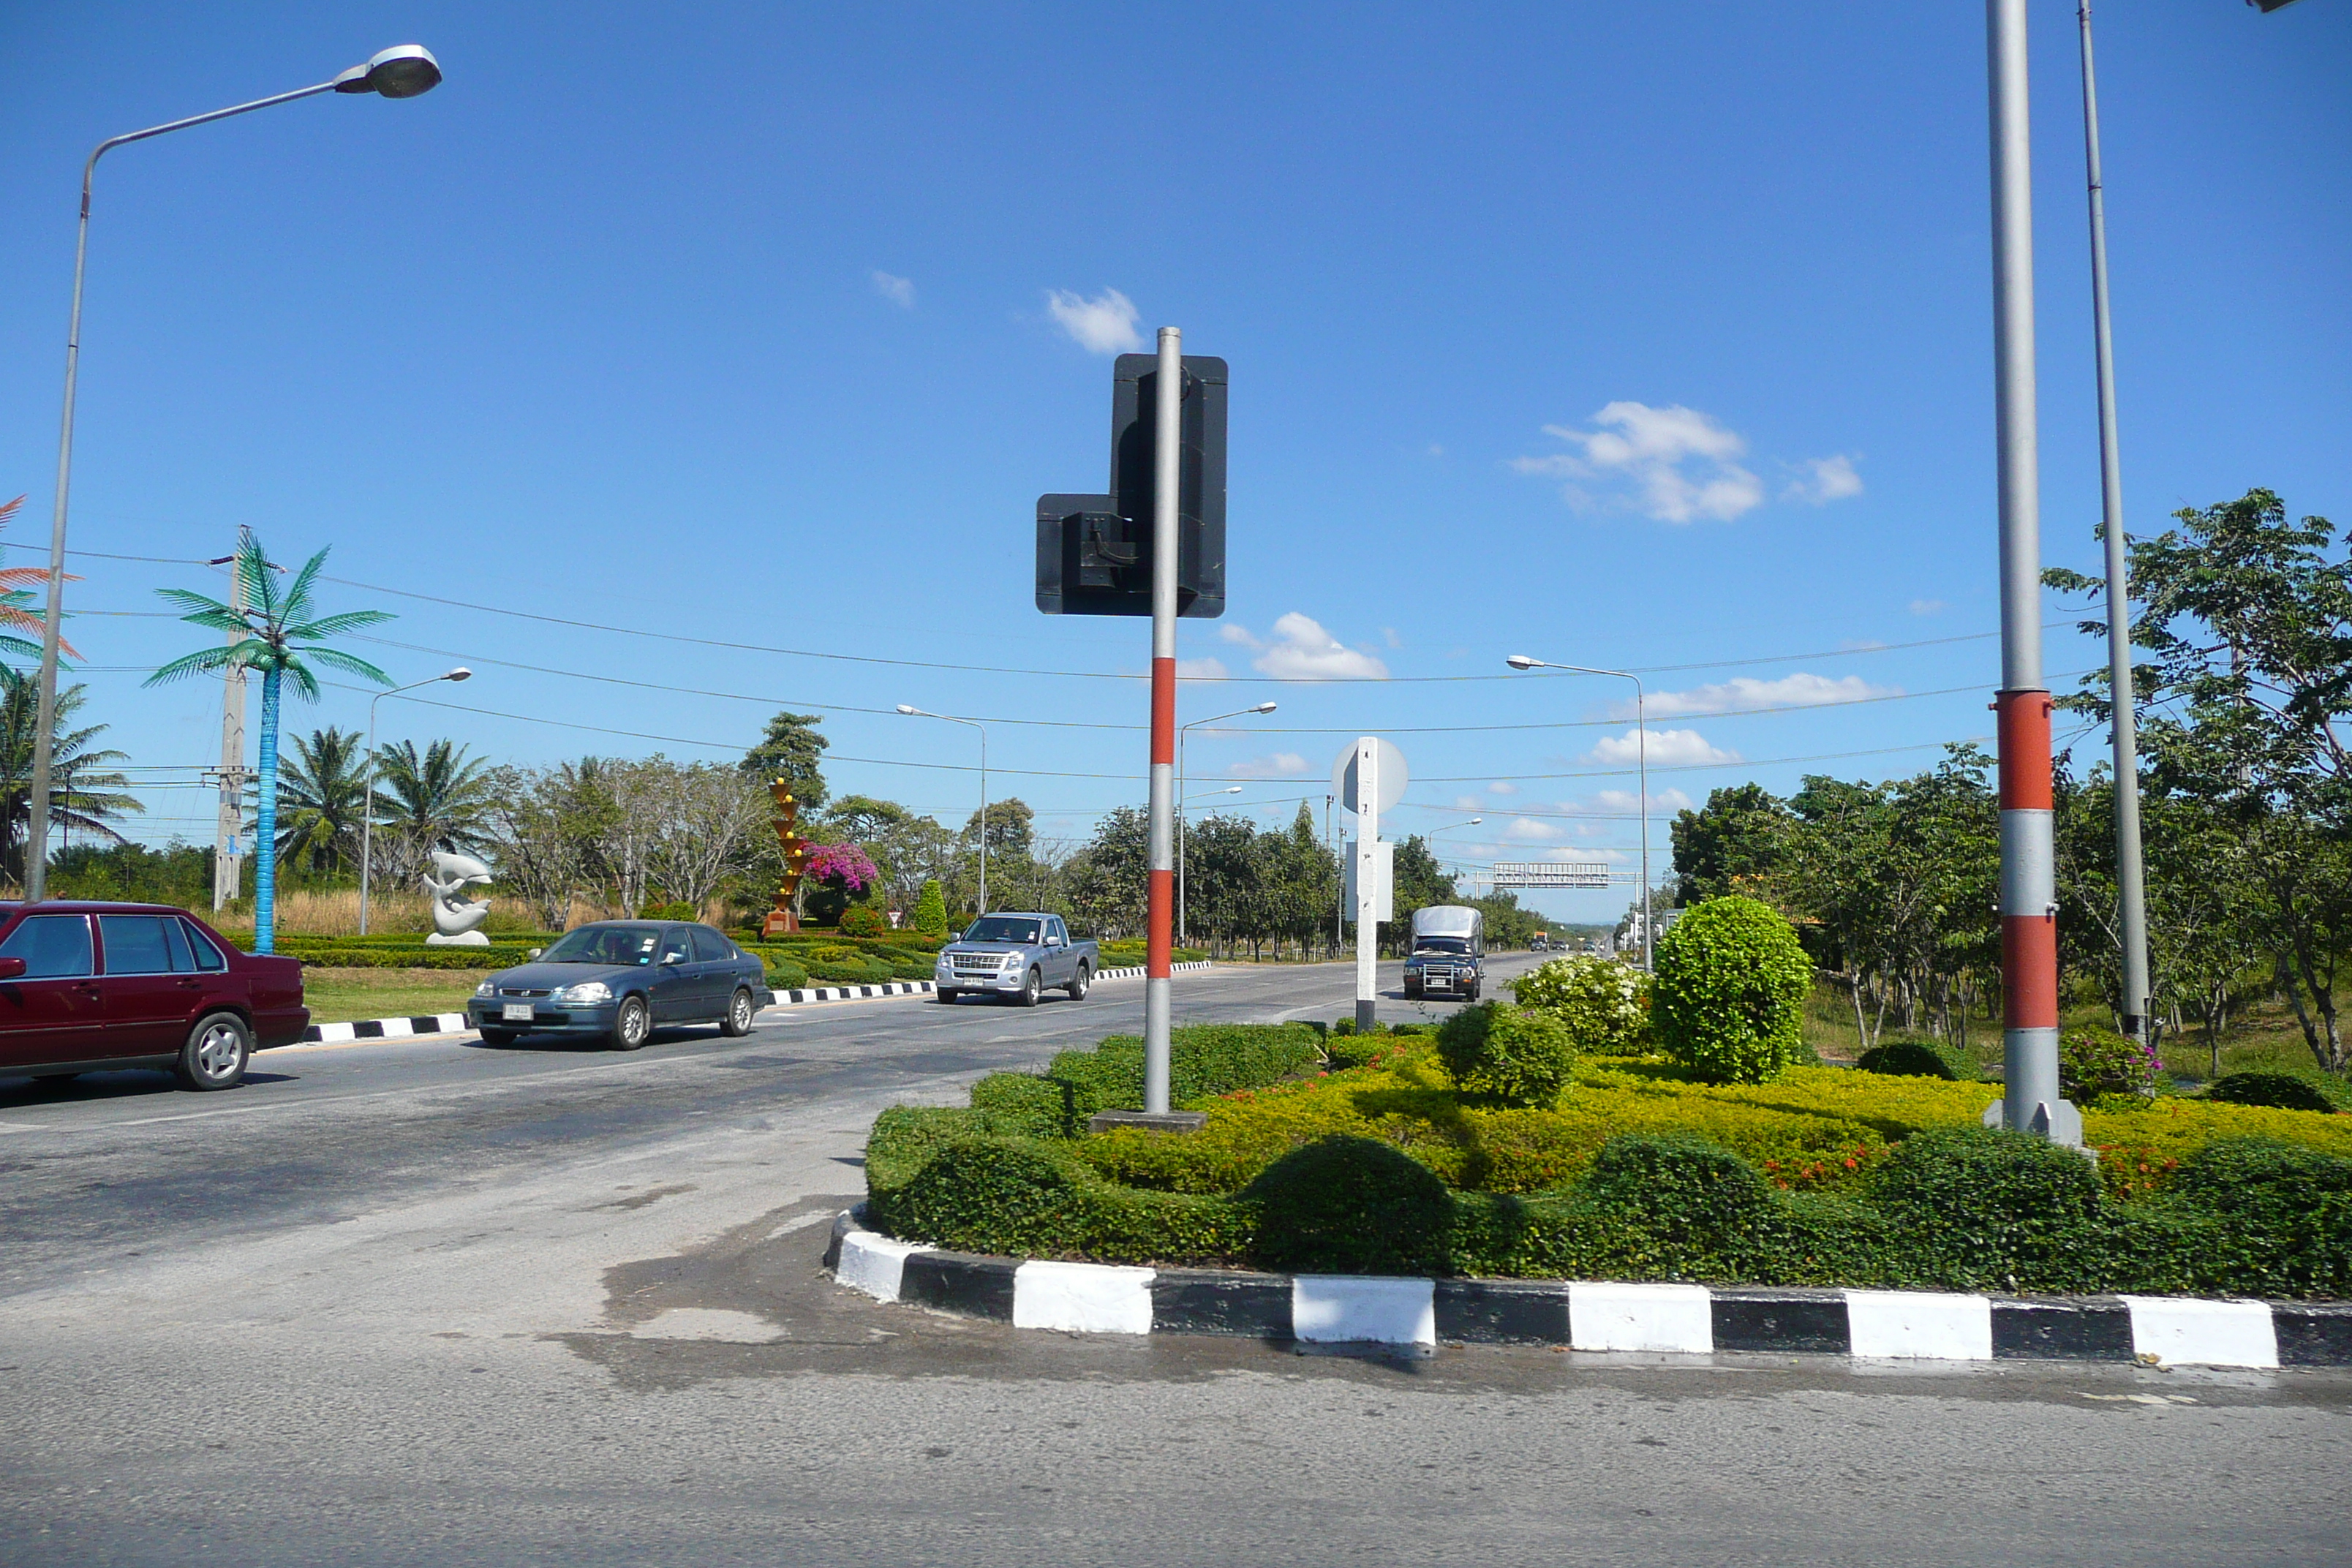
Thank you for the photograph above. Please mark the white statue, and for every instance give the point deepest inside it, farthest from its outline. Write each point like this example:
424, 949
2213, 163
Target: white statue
456, 920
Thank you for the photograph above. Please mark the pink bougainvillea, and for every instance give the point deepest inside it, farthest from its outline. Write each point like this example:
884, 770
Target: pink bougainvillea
846, 862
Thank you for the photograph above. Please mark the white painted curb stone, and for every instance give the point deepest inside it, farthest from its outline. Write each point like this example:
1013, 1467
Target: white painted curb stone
874, 1263
1602, 1316
1918, 1325
1356, 1309
1083, 1298
2202, 1333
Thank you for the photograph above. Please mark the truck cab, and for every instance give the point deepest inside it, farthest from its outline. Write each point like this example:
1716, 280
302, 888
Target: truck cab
1449, 953
1016, 955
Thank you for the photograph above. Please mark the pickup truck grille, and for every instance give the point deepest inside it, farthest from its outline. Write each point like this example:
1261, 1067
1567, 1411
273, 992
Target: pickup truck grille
1437, 975
975, 963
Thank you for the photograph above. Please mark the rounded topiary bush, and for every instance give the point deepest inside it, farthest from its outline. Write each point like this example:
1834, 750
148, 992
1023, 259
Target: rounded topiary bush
1980, 1207
2278, 1091
1678, 1186
2094, 1062
932, 910
1728, 996
1514, 1055
1905, 1058
863, 920
2284, 1212
989, 1196
1605, 1004
1351, 1205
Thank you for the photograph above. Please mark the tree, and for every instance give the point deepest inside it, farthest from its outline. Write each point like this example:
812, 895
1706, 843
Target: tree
932, 910
21, 625
277, 639
1420, 882
422, 799
84, 791
326, 790
794, 751
1109, 879
907, 849
710, 819
1739, 842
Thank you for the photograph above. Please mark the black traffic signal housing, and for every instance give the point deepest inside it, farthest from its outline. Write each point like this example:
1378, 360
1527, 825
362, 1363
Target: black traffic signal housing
1094, 552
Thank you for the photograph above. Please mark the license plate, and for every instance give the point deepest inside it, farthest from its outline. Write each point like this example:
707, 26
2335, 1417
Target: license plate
517, 1013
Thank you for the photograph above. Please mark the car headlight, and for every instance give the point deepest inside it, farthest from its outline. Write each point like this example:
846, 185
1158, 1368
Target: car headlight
486, 989
586, 991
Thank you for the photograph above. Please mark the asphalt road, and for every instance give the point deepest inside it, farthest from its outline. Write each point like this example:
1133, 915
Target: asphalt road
436, 1303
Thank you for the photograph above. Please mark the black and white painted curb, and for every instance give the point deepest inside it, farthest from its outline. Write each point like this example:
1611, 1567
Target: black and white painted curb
1591, 1315
455, 1023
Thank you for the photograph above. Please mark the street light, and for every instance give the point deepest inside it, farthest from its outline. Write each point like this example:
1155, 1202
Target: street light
403, 71
1181, 735
913, 712
367, 794
1642, 756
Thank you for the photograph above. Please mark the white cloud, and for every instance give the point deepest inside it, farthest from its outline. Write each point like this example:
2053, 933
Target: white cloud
1388, 635
1200, 670
1503, 786
1666, 748
900, 291
1530, 829
1298, 649
1106, 325
1679, 462
1926, 606
1280, 765
1825, 479
1468, 803
1746, 693
1629, 801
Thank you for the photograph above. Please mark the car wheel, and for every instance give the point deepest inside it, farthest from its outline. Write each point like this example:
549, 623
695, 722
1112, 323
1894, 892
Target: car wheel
944, 994
632, 1024
738, 1021
1078, 988
1030, 989
215, 1055
500, 1037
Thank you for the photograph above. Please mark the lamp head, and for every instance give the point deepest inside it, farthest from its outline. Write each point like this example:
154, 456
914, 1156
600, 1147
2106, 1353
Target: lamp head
1521, 661
903, 707
460, 673
1474, 822
405, 70
1263, 708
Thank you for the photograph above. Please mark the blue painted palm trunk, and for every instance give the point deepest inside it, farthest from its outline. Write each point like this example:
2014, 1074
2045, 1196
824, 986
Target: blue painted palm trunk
265, 836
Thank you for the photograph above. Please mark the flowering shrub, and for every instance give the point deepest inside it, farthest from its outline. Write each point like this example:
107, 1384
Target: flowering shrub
846, 862
1605, 1004
863, 920
2092, 1062
1730, 988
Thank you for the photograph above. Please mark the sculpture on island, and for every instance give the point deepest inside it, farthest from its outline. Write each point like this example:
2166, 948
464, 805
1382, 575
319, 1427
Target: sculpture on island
456, 920
785, 918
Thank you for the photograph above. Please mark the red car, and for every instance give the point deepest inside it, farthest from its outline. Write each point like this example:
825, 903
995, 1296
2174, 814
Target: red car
91, 987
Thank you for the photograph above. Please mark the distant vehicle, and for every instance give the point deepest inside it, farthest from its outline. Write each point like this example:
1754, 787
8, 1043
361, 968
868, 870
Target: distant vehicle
618, 981
1540, 942
92, 987
1449, 952
1020, 954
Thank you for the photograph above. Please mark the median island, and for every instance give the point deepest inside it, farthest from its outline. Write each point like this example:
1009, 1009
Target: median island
1597, 1128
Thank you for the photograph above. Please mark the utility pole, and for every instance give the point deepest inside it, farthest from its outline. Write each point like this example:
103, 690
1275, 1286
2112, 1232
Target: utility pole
1158, 987
2029, 907
228, 864
2131, 888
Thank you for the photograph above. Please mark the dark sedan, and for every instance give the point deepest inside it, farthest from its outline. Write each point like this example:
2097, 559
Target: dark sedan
617, 981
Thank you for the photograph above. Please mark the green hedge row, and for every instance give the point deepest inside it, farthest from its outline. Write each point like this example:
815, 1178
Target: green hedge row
1964, 1209
1205, 1060
497, 955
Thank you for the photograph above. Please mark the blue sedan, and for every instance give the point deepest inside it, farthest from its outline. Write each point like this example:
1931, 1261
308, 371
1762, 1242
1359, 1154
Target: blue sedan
617, 981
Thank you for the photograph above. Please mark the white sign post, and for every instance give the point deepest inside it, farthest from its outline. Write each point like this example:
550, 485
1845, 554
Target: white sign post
1369, 778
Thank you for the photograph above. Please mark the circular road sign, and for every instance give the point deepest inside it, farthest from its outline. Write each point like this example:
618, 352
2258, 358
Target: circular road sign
1392, 778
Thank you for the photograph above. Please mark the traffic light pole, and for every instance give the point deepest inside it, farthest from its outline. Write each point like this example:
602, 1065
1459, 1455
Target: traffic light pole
1157, 1001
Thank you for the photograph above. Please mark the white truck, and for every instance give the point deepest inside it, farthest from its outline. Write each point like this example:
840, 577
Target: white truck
1449, 952
1019, 954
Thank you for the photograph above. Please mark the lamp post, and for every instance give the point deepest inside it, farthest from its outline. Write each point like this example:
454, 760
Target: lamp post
1641, 760
913, 712
367, 794
404, 71
1182, 734
1204, 795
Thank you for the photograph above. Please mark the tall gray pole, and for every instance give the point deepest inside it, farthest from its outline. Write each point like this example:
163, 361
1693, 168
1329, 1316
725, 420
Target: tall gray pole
228, 874
2028, 908
1158, 987
2131, 888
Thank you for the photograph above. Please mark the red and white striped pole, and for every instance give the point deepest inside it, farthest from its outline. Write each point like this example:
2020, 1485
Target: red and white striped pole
1168, 407
2029, 907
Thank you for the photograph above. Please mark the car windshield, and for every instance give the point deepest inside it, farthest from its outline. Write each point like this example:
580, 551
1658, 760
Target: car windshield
605, 945
1441, 945
1001, 928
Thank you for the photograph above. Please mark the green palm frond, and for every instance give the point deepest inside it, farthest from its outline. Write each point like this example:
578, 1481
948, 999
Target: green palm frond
336, 658
336, 626
204, 661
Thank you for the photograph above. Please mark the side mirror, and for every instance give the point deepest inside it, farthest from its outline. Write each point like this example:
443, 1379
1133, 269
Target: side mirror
534, 953
12, 969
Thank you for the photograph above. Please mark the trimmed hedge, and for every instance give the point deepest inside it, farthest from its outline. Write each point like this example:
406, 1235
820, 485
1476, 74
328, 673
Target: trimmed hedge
1515, 1055
1906, 1059
2280, 1090
496, 956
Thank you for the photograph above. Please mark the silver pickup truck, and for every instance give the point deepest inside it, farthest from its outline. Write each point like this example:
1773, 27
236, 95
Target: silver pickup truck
1017, 955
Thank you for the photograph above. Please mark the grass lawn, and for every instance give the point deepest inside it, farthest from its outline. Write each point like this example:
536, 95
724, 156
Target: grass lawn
340, 995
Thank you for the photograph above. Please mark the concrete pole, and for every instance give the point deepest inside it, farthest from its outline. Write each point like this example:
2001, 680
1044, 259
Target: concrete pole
227, 866
2029, 908
2131, 886
1158, 989
1368, 871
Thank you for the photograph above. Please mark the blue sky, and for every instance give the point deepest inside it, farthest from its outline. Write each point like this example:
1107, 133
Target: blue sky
1645, 336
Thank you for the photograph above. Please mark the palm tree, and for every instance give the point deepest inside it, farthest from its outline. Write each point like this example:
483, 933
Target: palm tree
82, 788
423, 799
326, 785
278, 638
20, 624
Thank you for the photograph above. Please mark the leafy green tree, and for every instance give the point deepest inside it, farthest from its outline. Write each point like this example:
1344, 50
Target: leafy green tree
273, 634
325, 787
423, 798
794, 751
932, 910
1420, 882
1739, 842
1109, 878
85, 793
